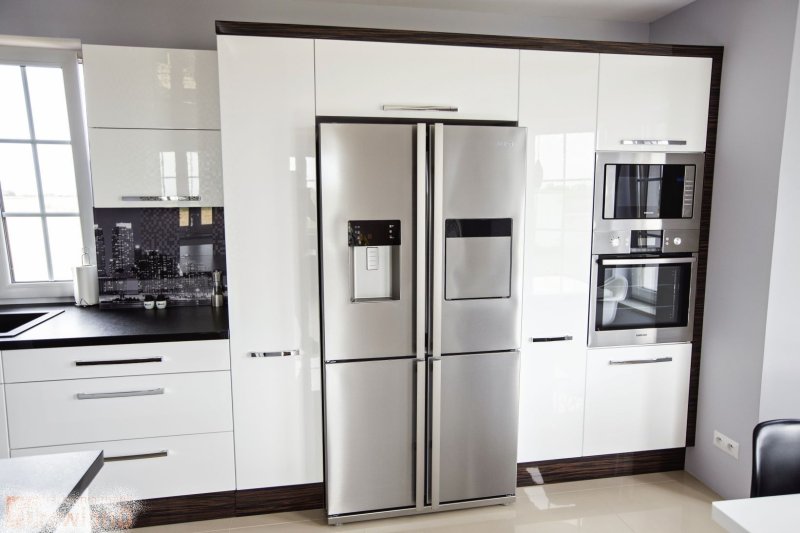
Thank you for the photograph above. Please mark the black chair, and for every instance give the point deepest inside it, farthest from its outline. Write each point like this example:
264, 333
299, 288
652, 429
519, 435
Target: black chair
776, 458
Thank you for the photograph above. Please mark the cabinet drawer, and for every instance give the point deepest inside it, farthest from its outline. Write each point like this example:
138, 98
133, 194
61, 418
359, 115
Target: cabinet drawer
115, 360
129, 164
134, 87
359, 78
157, 468
89, 410
636, 398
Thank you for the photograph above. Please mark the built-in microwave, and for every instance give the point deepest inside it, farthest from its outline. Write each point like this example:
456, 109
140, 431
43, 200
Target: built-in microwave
648, 191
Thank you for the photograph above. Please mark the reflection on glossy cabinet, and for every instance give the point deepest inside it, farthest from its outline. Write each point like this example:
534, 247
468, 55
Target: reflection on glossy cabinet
357, 78
267, 109
653, 98
558, 106
130, 165
636, 398
134, 87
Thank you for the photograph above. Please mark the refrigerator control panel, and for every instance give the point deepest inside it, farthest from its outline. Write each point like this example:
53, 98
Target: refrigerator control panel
373, 232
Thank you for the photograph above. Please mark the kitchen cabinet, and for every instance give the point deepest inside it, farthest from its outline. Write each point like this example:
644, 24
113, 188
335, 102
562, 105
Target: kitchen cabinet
269, 161
161, 411
357, 78
636, 398
653, 98
136, 87
558, 105
153, 117
144, 168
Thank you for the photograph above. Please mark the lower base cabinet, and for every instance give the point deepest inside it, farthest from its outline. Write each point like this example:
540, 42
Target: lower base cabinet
156, 468
636, 398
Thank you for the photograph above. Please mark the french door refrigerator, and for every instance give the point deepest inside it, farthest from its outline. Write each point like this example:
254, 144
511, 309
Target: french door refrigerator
421, 255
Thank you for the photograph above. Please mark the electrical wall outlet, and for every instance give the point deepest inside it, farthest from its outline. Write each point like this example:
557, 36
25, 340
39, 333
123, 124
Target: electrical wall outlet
726, 444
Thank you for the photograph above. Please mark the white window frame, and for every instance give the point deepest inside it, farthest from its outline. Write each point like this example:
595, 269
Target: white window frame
67, 60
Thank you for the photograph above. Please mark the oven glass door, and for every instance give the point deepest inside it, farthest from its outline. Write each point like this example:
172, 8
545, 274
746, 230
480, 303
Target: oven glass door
643, 293
635, 191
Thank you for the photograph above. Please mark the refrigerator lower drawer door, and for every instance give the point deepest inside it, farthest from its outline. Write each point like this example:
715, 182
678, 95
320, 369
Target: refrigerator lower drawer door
479, 419
369, 435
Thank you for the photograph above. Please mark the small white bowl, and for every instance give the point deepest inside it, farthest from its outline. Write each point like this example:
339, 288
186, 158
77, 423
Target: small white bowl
149, 305
161, 304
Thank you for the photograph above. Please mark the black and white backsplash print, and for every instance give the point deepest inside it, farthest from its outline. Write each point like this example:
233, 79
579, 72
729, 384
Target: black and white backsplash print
156, 251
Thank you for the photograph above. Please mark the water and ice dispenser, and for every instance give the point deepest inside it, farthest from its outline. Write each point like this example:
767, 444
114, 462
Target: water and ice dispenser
374, 259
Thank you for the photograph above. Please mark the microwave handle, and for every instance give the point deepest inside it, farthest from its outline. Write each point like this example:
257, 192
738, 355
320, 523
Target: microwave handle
654, 142
658, 261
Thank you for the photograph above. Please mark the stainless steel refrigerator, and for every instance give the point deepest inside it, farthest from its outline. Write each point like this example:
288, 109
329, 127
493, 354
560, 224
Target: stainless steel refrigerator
421, 254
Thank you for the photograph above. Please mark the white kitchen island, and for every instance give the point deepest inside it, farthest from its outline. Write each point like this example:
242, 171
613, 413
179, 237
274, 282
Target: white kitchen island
769, 514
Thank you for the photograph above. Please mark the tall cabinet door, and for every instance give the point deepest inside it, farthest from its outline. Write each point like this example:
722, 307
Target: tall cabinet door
558, 106
268, 145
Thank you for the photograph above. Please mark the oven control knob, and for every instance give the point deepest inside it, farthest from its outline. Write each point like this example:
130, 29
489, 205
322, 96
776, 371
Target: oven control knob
677, 241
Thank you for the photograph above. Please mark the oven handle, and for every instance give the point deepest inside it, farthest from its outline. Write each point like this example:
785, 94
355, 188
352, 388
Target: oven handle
659, 261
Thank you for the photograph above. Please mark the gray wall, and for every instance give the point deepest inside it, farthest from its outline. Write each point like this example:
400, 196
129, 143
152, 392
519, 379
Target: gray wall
190, 23
780, 393
758, 39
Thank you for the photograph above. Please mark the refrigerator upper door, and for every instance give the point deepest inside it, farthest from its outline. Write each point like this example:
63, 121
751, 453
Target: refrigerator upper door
480, 212
367, 239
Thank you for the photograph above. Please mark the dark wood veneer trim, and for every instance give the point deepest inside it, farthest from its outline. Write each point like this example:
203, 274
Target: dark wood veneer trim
301, 31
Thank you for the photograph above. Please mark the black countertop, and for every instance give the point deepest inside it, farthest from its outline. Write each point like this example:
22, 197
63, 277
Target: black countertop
85, 326
39, 491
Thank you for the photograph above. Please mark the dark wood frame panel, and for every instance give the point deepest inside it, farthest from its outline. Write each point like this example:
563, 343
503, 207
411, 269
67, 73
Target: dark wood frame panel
311, 496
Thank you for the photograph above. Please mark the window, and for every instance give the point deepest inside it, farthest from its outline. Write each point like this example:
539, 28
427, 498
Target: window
43, 172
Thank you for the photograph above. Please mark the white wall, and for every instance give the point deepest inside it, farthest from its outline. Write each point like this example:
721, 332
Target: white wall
780, 393
190, 23
758, 39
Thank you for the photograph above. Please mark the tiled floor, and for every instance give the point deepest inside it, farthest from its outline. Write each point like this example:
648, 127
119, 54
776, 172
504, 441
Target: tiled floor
670, 502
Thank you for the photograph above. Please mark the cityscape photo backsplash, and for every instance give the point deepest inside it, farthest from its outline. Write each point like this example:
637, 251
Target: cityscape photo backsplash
158, 251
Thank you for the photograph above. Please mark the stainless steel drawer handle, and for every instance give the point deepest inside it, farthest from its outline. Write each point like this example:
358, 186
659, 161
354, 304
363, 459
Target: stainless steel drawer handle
121, 394
135, 456
550, 339
448, 108
285, 353
656, 142
645, 261
160, 198
120, 361
641, 361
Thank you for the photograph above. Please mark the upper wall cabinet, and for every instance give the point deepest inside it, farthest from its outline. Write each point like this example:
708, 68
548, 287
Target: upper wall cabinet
653, 103
131, 87
372, 79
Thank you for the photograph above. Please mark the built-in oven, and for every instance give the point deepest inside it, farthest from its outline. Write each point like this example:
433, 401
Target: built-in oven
645, 296
647, 191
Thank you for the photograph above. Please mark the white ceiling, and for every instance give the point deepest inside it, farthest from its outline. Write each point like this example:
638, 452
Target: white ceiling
616, 10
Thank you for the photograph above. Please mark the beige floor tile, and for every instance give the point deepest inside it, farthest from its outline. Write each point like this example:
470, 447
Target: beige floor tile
672, 520
227, 524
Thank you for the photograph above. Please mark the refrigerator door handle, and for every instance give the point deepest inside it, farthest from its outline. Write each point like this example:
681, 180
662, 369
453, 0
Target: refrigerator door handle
421, 199
437, 293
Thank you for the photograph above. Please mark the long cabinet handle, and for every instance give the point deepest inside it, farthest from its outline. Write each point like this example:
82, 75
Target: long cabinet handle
135, 456
405, 107
120, 361
284, 353
641, 361
648, 261
180, 198
121, 394
550, 339
656, 142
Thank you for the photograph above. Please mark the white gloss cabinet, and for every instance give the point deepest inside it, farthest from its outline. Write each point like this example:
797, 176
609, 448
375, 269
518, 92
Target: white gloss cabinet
357, 78
558, 104
268, 146
136, 87
653, 98
636, 398
129, 164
